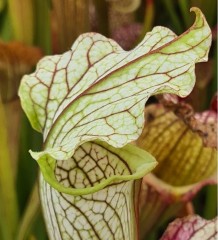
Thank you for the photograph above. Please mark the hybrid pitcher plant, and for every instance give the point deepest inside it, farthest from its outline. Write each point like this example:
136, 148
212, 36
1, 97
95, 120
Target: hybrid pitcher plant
88, 103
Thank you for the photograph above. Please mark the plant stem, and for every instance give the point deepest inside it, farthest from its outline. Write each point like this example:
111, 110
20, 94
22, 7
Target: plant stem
21, 14
173, 15
211, 202
149, 16
184, 7
30, 214
42, 33
8, 206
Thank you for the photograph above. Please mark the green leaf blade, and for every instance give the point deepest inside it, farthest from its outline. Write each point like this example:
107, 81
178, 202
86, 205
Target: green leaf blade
137, 161
98, 91
100, 204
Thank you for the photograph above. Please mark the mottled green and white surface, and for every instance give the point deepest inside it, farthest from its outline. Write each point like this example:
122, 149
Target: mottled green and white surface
97, 90
105, 214
192, 227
